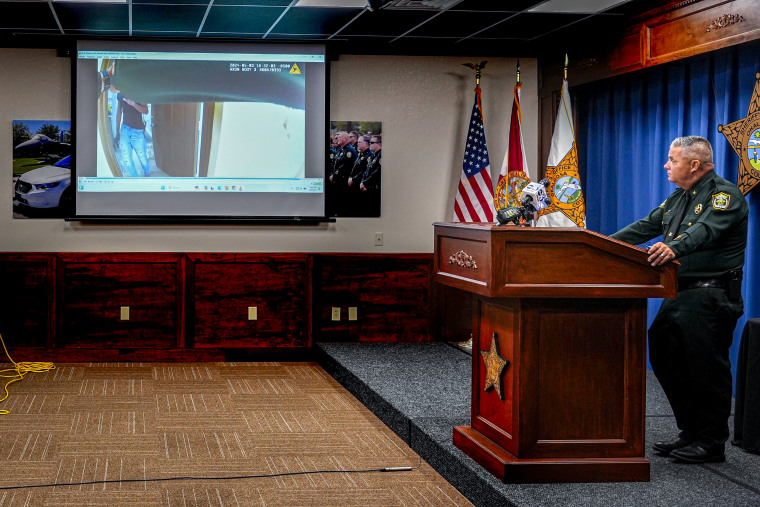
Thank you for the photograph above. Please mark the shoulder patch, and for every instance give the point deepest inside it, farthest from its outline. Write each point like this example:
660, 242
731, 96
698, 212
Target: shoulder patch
720, 201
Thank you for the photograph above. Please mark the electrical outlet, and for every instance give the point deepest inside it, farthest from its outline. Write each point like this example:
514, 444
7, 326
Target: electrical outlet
253, 313
353, 313
336, 313
124, 313
378, 239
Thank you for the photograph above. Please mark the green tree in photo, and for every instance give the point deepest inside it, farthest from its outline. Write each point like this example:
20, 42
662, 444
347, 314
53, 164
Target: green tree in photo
50, 130
21, 133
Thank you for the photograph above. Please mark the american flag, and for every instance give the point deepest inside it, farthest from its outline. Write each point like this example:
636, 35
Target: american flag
474, 200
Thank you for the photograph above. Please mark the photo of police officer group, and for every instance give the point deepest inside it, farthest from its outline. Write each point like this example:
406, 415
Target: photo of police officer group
353, 169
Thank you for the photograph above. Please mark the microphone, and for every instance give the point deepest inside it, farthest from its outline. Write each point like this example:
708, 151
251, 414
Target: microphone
513, 214
534, 194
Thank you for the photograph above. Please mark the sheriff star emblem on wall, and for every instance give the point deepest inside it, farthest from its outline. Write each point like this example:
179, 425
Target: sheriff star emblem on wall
495, 365
744, 137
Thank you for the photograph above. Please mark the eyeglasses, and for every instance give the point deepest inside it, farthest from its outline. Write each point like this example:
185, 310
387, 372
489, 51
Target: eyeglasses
374, 142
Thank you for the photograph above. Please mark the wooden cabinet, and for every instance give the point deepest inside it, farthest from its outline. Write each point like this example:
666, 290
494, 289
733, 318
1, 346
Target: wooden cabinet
250, 301
26, 313
207, 306
121, 301
391, 294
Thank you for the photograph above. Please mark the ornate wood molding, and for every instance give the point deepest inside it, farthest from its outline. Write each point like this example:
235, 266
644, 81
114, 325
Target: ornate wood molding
724, 21
463, 259
666, 9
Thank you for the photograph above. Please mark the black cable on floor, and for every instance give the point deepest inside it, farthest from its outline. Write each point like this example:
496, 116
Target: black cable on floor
220, 478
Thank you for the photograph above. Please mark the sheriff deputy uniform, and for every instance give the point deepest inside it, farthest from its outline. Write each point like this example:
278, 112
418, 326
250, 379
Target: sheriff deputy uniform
690, 336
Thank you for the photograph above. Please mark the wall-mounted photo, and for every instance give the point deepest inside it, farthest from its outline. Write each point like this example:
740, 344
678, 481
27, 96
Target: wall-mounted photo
41, 168
353, 169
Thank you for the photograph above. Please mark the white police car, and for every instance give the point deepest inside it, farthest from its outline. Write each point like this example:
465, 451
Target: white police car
45, 187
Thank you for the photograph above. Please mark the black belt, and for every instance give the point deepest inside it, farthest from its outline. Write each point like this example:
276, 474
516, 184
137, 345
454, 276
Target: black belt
709, 283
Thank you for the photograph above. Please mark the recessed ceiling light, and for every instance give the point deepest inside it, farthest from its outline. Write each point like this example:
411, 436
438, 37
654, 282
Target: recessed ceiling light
358, 4
576, 6
93, 1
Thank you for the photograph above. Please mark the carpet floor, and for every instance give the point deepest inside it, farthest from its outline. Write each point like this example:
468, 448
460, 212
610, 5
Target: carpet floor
111, 428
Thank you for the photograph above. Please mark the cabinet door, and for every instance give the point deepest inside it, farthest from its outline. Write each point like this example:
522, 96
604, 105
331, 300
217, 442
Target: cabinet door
258, 303
96, 293
25, 314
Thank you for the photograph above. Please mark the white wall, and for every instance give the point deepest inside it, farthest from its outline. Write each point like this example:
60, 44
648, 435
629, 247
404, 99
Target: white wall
423, 102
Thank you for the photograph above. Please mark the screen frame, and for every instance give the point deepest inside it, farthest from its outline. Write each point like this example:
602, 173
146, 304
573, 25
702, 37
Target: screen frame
71, 215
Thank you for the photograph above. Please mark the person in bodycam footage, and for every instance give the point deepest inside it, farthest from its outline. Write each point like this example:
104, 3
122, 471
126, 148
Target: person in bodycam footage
704, 225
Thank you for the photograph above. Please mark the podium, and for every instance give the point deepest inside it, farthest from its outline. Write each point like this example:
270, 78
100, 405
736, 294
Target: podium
559, 350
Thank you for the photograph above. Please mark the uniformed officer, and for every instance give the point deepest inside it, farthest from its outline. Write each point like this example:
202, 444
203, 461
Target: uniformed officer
353, 139
337, 188
704, 225
362, 157
370, 184
343, 161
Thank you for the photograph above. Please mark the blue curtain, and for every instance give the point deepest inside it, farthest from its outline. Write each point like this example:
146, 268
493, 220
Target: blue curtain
625, 125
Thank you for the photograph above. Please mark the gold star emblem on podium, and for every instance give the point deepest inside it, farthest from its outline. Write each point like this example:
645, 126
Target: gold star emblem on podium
743, 136
495, 365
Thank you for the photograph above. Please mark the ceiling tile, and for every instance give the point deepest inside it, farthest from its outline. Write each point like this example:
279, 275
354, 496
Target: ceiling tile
456, 24
27, 15
92, 17
260, 3
315, 20
240, 20
527, 26
495, 5
167, 18
387, 22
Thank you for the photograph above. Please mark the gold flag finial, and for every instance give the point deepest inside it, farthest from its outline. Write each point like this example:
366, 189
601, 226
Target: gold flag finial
518, 71
565, 66
478, 69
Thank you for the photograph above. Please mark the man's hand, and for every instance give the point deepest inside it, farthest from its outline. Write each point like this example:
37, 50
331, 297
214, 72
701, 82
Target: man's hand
660, 253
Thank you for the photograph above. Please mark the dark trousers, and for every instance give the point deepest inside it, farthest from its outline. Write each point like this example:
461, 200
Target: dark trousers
688, 348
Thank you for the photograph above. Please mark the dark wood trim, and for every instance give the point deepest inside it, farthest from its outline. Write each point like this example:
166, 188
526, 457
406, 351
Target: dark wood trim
394, 285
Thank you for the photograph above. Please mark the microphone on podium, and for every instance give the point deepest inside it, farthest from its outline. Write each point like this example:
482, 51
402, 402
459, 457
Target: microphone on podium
535, 195
533, 198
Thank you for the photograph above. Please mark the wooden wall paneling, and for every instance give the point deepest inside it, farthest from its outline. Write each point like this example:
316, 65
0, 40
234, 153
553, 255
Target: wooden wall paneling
27, 314
226, 285
186, 307
392, 294
95, 287
699, 27
453, 314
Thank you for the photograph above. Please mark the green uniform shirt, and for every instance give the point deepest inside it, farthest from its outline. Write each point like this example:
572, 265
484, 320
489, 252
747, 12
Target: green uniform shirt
713, 235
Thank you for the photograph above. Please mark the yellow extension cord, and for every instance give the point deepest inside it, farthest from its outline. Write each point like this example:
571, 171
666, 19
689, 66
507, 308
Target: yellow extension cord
19, 370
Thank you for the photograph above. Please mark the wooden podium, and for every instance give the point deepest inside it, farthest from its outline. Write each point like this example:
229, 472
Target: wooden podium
559, 354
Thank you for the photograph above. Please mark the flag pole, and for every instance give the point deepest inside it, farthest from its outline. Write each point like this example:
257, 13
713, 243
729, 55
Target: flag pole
518, 71
565, 66
478, 67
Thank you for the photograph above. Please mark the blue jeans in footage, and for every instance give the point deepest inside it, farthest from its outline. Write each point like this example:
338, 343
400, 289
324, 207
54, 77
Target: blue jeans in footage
133, 139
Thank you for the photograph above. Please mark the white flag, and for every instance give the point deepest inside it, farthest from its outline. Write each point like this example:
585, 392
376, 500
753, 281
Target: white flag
568, 208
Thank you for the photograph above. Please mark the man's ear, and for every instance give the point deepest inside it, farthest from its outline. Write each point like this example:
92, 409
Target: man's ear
695, 165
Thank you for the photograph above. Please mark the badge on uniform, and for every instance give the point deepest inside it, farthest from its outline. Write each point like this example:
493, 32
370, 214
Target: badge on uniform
698, 209
663, 203
720, 201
